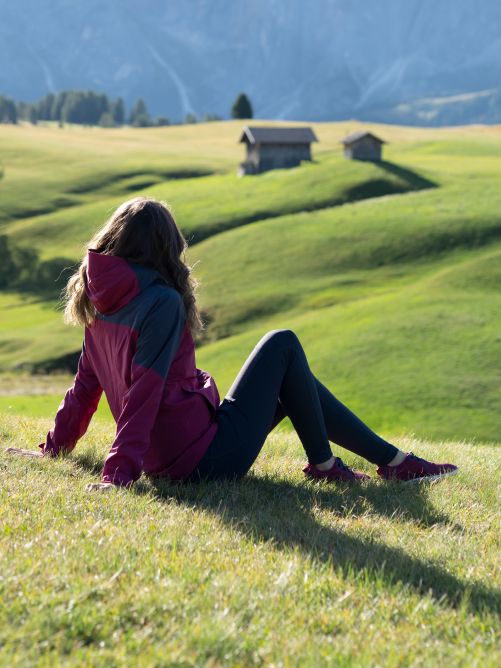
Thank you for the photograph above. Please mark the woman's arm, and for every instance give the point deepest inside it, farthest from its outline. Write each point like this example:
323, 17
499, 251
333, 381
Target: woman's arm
157, 344
75, 411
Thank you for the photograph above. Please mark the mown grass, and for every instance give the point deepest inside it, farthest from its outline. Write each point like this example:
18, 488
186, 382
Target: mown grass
32, 330
395, 298
204, 206
46, 168
420, 356
286, 261
396, 301
271, 570
41, 164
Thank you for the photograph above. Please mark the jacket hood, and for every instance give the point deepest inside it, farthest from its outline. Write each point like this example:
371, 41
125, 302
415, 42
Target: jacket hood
112, 282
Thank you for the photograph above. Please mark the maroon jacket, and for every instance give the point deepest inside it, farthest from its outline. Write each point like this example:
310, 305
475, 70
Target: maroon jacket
139, 350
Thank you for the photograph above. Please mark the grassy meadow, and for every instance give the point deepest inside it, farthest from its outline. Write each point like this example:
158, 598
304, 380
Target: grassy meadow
366, 261
267, 571
390, 274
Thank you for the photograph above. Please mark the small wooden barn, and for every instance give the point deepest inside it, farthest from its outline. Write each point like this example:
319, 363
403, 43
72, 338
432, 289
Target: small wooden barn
363, 146
275, 148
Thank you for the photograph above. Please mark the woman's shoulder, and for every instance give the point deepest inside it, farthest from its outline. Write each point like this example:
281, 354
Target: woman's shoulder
161, 292
162, 298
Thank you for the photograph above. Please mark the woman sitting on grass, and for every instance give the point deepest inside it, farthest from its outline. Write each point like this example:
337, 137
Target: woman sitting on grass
135, 296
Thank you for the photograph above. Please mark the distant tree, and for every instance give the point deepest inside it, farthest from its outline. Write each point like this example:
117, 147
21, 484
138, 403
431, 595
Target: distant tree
22, 110
139, 116
118, 111
33, 114
71, 109
85, 107
162, 120
141, 121
107, 120
208, 118
241, 107
27, 112
190, 118
57, 106
8, 110
44, 107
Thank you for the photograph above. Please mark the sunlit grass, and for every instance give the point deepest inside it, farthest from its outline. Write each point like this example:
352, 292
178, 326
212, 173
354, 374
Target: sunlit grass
397, 303
395, 298
270, 570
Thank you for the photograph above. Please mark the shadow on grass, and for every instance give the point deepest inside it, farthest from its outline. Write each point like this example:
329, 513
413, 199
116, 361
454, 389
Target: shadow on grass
270, 509
408, 181
275, 510
93, 183
414, 180
88, 462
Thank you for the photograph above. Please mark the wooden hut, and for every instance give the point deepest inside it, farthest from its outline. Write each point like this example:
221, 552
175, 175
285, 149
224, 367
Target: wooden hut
363, 146
275, 148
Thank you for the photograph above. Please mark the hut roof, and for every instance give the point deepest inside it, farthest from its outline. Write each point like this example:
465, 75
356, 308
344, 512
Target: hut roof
272, 135
357, 136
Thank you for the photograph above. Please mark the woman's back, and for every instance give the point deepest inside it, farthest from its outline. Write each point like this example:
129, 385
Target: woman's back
140, 351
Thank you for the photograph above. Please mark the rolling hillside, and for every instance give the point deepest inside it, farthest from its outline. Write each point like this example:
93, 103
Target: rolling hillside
389, 273
391, 277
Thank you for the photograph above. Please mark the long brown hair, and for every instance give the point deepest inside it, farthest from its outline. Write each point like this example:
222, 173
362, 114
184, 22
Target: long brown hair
144, 231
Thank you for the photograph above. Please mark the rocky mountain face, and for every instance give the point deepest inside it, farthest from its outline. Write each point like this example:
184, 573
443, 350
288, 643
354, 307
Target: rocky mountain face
413, 61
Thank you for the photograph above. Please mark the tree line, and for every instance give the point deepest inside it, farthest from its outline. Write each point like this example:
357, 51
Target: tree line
91, 108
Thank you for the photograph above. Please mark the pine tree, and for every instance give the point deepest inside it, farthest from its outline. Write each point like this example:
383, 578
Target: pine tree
8, 110
33, 114
84, 107
107, 120
57, 106
45, 107
242, 107
118, 111
139, 116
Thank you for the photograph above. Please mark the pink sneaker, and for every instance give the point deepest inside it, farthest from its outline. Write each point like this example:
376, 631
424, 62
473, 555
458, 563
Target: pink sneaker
338, 472
414, 469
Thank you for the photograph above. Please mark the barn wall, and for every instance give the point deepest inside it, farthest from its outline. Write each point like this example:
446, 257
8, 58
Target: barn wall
253, 154
364, 149
263, 157
276, 156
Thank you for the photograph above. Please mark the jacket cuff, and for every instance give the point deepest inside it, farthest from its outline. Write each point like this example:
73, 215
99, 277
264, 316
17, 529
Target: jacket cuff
48, 448
117, 479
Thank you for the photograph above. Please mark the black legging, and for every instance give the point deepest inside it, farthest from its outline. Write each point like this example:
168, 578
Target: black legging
276, 381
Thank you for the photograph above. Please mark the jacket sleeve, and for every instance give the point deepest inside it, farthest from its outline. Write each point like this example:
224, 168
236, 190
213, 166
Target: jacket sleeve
158, 341
75, 410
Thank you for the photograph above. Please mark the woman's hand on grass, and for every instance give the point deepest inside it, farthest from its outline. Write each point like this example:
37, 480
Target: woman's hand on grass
98, 487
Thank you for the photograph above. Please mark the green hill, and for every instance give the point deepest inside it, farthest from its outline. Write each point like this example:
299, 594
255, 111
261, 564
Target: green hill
391, 275
388, 273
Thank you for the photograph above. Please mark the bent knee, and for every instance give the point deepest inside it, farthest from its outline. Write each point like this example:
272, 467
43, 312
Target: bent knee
281, 337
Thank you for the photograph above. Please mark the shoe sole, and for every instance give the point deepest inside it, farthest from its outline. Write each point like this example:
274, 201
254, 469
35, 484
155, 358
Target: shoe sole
430, 478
